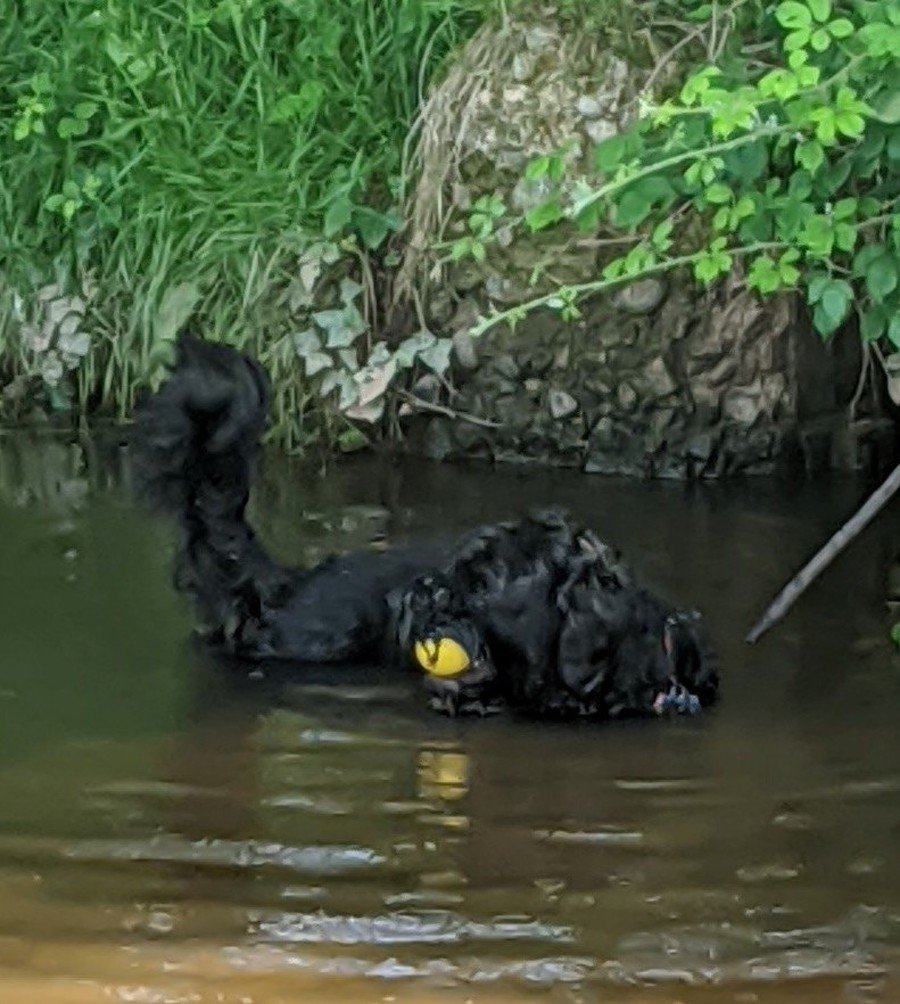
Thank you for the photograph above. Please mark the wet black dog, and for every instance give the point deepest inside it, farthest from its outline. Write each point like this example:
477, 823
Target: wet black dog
538, 615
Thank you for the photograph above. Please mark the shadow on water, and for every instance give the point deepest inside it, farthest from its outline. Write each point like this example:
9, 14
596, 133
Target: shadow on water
174, 830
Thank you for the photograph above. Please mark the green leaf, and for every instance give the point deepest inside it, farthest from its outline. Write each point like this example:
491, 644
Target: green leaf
820, 40
763, 275
893, 331
175, 309
351, 440
537, 168
844, 209
881, 277
21, 129
337, 216
818, 282
810, 155
85, 110
341, 327
460, 249
832, 308
437, 356
117, 50
68, 127
718, 193
797, 39
315, 362
639, 199
662, 234
818, 235
865, 256
849, 124
845, 236
306, 342
895, 634
886, 107
821, 9
873, 323
840, 28
374, 226
791, 14
479, 252
545, 214
609, 154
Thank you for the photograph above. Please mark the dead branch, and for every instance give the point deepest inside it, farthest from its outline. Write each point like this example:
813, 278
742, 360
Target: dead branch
813, 568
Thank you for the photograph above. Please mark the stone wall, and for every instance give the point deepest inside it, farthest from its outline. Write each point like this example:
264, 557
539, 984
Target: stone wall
662, 382
661, 379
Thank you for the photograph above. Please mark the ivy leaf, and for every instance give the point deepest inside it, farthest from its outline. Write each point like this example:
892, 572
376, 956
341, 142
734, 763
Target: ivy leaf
407, 351
341, 327
437, 356
306, 342
881, 277
315, 362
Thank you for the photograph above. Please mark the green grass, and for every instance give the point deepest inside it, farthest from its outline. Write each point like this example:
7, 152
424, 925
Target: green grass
177, 154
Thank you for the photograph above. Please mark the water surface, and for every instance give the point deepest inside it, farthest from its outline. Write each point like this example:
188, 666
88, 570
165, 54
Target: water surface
174, 832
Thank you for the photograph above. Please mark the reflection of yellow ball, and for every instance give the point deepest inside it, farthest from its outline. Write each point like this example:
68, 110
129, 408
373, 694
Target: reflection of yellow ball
441, 656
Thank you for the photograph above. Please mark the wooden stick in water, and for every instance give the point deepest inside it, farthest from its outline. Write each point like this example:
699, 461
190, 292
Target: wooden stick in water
811, 570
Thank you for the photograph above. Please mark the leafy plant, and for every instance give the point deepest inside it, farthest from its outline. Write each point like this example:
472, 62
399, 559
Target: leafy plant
789, 163
189, 153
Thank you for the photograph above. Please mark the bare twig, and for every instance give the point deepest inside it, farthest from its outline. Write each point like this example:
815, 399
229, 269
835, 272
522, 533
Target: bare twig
801, 581
440, 409
861, 383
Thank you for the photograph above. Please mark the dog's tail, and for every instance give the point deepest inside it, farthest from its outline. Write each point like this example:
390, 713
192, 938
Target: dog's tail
195, 445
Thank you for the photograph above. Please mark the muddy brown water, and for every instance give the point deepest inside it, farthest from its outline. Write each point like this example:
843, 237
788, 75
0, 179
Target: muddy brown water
174, 832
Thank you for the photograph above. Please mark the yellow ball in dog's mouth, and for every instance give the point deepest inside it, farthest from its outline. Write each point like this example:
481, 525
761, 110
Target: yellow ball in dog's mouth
441, 656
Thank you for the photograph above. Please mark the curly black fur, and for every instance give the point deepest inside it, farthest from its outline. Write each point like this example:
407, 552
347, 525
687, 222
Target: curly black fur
553, 623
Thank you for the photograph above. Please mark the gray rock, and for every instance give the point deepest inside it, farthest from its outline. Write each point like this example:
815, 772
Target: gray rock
562, 404
627, 396
640, 297
465, 350
658, 379
506, 366
439, 441
742, 407
427, 388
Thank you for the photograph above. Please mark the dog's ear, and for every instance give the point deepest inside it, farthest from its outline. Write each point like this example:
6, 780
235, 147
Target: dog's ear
399, 606
692, 659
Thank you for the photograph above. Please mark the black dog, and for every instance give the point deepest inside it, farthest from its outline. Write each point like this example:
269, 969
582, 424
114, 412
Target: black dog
538, 615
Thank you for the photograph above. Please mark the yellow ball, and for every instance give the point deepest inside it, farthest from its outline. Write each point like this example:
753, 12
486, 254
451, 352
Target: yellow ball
442, 656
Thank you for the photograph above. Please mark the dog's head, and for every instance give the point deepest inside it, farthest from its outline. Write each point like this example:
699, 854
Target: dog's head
622, 652
431, 622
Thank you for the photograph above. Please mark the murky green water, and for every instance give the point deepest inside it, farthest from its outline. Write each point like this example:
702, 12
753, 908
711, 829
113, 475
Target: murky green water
173, 833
